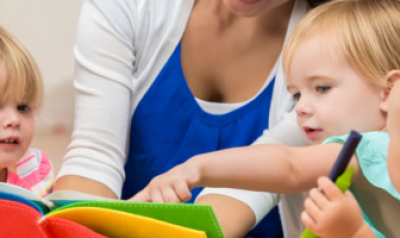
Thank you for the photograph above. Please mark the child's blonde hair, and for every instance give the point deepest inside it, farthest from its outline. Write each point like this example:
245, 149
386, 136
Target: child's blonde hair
23, 82
363, 33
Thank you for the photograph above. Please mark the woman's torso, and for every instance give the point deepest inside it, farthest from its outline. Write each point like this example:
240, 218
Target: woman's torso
169, 126
216, 65
211, 68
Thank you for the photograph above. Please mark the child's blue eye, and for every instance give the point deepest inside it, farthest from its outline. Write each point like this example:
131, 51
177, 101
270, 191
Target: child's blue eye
296, 97
323, 89
23, 108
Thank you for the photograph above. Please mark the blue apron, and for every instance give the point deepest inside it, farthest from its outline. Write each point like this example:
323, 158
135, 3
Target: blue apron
168, 127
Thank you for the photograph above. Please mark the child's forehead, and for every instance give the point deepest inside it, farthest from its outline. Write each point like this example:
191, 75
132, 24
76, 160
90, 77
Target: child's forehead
323, 42
313, 52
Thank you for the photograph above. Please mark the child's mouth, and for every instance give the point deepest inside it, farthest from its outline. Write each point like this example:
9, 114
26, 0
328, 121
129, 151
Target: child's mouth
311, 132
9, 141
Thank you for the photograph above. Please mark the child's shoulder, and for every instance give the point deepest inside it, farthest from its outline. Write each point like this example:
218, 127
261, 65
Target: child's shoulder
371, 152
33, 171
370, 144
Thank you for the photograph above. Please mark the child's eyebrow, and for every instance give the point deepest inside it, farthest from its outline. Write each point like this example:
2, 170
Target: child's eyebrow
310, 79
314, 77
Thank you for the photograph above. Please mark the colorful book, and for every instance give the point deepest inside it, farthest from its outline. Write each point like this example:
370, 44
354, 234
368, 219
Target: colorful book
68, 214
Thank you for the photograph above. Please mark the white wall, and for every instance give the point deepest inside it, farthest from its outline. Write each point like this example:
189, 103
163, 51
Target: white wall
47, 29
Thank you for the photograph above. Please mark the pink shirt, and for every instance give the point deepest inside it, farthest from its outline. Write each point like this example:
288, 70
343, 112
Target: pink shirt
33, 172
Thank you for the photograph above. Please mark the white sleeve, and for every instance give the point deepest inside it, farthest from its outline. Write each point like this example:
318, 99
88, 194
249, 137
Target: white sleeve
285, 132
104, 87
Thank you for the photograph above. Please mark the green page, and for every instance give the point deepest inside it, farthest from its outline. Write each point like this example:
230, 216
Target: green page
198, 217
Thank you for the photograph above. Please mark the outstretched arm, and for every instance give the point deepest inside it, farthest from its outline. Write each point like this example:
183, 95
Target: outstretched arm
272, 168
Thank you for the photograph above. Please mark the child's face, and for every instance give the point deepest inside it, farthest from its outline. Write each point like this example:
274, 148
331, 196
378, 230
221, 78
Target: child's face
332, 98
16, 128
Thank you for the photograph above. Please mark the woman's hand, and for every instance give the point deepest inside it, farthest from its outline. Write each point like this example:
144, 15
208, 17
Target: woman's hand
173, 186
330, 213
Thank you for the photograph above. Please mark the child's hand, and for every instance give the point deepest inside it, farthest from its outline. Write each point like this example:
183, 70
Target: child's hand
393, 121
331, 213
172, 187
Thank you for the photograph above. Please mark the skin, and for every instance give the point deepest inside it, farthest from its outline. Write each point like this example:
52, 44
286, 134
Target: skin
16, 122
225, 41
330, 213
394, 132
220, 47
327, 91
321, 84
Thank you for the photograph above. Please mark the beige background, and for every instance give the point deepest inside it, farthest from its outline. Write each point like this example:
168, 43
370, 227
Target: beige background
47, 29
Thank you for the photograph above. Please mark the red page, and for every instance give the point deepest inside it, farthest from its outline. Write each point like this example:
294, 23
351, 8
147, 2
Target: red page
20, 220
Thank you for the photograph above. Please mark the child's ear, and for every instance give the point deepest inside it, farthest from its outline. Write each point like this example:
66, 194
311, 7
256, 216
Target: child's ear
390, 79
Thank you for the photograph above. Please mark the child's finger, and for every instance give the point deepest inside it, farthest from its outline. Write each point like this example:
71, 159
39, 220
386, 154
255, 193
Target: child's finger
330, 190
312, 209
308, 221
169, 195
156, 196
319, 198
182, 191
142, 196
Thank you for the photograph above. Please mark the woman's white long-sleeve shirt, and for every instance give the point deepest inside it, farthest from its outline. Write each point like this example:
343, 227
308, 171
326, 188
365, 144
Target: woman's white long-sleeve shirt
121, 47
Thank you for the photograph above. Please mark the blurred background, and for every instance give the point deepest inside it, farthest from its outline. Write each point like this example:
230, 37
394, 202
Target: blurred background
47, 28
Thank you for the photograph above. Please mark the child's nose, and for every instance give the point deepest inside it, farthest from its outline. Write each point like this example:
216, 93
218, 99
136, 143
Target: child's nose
9, 118
303, 108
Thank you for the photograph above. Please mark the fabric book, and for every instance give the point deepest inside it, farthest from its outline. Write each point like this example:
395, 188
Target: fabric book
68, 214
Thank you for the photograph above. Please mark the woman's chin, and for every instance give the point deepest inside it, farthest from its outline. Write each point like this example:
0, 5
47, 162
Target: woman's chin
243, 8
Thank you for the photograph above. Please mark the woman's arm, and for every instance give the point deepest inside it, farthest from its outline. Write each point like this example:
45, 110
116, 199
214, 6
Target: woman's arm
104, 86
235, 217
84, 185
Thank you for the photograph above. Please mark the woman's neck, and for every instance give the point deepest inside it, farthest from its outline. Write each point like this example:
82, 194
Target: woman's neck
3, 175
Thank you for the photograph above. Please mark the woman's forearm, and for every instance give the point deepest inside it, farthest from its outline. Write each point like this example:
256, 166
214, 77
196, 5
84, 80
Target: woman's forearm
235, 217
84, 185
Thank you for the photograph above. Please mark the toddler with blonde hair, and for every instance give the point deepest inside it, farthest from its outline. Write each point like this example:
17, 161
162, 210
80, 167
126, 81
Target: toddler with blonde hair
21, 92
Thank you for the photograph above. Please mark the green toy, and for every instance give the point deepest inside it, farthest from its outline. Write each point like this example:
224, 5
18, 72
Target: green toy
343, 183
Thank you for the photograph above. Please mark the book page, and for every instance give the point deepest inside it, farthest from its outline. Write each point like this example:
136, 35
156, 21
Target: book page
9, 188
75, 196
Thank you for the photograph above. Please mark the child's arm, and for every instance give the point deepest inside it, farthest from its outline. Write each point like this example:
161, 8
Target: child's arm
393, 126
330, 214
272, 168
